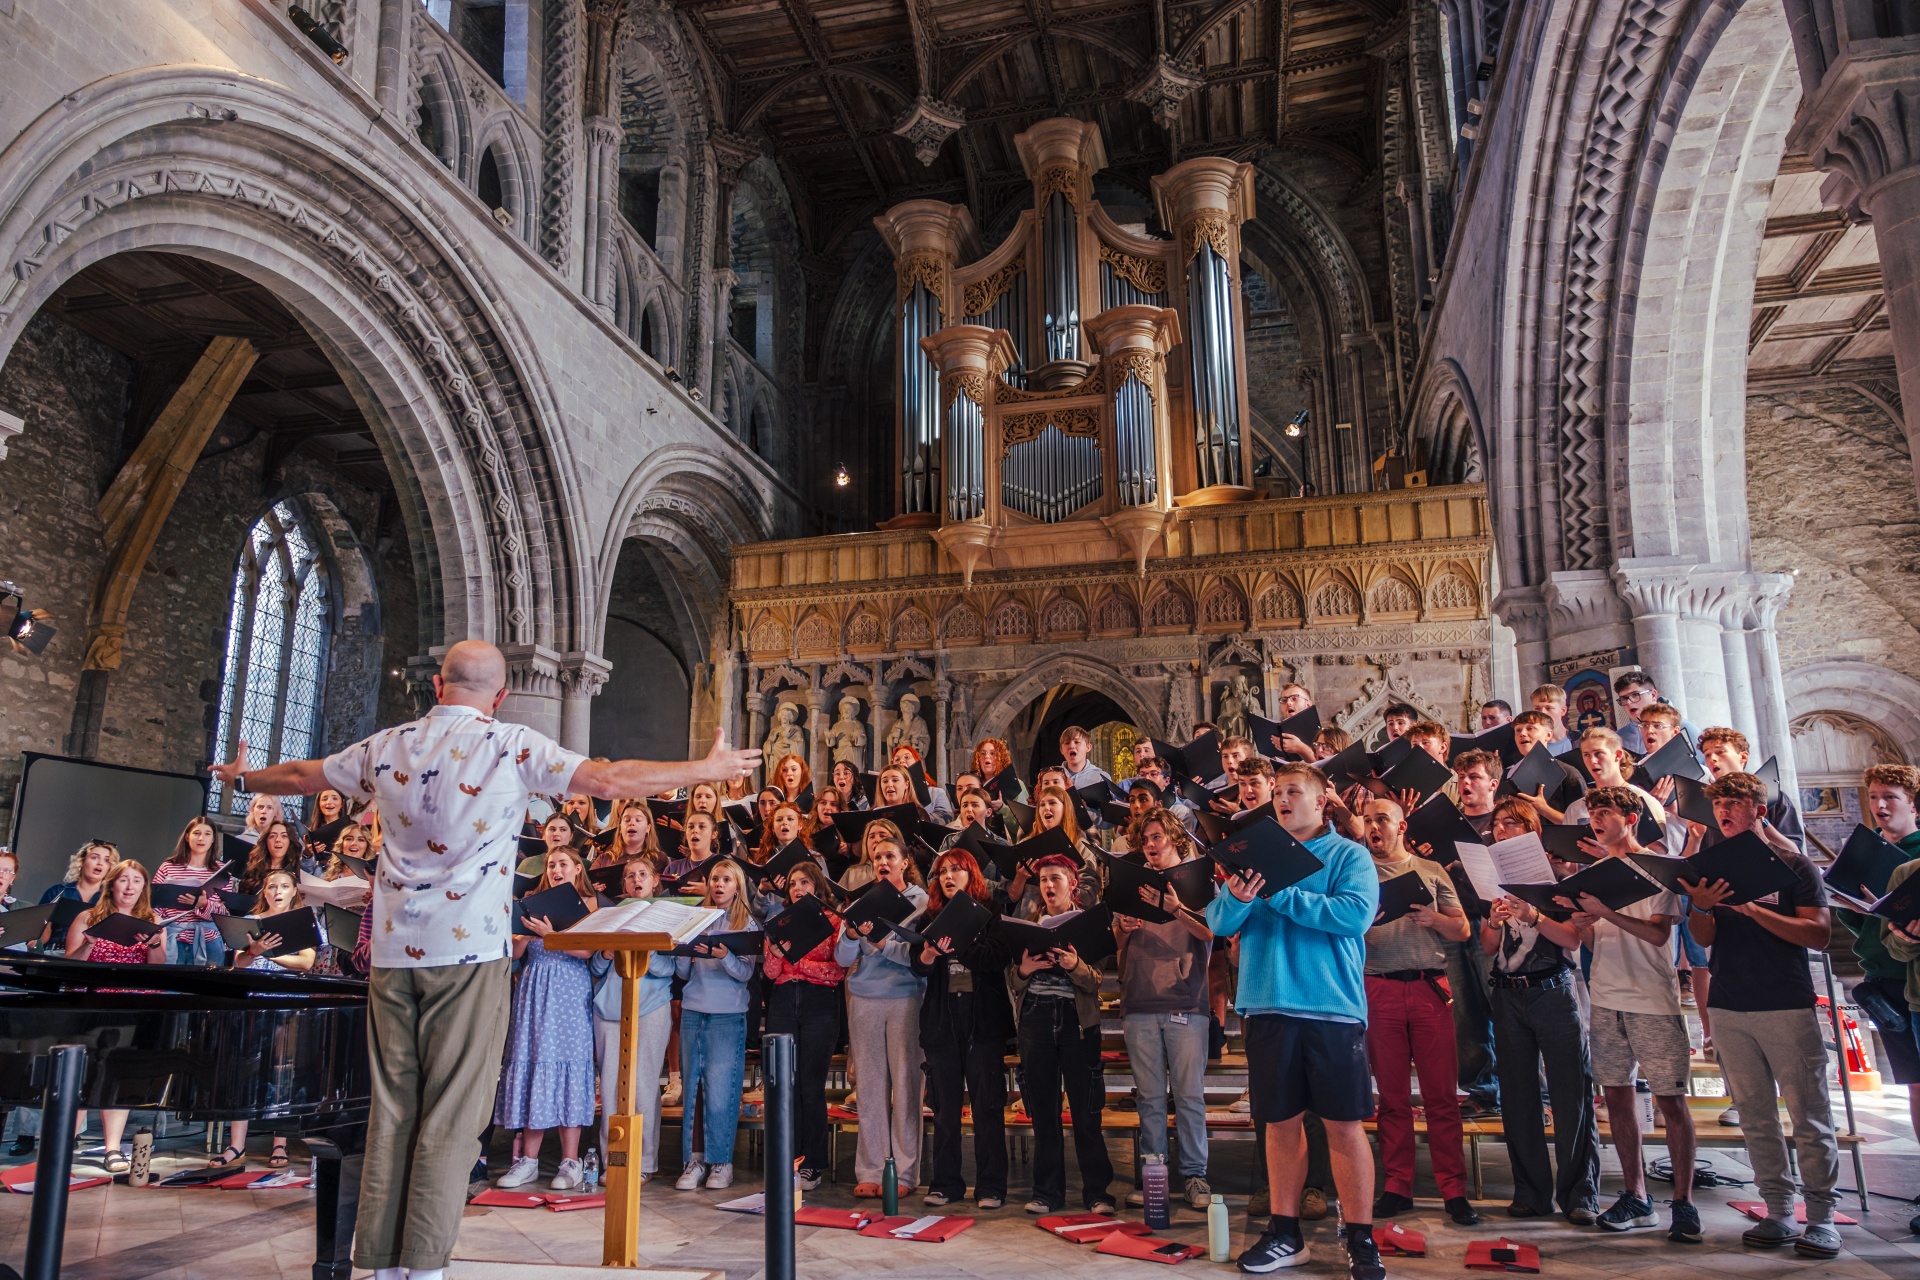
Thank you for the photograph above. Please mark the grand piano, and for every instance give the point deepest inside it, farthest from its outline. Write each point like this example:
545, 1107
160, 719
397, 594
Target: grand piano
204, 1044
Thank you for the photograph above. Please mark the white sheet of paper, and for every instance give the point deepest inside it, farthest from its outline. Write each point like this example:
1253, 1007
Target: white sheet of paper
347, 891
1481, 871
918, 1225
755, 1203
1522, 860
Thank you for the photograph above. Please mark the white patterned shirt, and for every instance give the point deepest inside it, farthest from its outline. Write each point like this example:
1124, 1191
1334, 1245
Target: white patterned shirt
453, 787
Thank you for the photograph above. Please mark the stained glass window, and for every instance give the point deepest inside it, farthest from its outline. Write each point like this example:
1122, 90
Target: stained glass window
276, 648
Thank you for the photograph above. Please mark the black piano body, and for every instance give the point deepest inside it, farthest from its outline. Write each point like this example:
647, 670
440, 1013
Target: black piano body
205, 1044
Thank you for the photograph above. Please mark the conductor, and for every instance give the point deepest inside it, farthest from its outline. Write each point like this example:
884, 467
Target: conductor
452, 788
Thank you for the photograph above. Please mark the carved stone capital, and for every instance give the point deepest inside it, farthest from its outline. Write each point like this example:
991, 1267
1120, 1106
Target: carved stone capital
1582, 599
732, 152
533, 670
584, 674
1524, 609
603, 134
928, 124
1862, 123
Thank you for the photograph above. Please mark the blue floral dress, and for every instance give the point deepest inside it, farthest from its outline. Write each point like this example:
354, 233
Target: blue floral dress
548, 1081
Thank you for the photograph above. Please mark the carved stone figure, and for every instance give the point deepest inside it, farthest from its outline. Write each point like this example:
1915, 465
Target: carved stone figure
1237, 698
910, 729
786, 738
847, 736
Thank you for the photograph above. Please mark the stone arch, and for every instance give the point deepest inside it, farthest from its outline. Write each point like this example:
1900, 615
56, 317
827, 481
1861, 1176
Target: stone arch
864, 630
663, 114
513, 161
961, 623
814, 635
630, 296
1117, 614
278, 194
653, 331
1278, 603
1011, 621
1868, 691
1063, 617
1445, 431
1070, 667
912, 627
441, 120
1336, 598
1223, 607
1393, 594
1170, 608
1451, 591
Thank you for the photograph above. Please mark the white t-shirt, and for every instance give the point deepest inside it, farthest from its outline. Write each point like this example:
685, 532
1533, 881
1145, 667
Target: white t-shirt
1632, 975
452, 787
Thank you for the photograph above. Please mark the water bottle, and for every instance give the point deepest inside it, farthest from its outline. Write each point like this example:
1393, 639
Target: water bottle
140, 1173
1153, 1186
890, 1190
1643, 1103
592, 1174
1219, 1232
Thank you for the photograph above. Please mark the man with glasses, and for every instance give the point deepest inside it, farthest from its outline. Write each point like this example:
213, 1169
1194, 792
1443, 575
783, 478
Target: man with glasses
1636, 691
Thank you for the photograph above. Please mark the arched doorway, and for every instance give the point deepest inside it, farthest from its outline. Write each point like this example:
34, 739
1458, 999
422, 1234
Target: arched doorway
1035, 733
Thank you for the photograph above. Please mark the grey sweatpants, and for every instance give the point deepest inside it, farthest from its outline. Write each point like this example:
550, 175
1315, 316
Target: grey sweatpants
1780, 1055
883, 1042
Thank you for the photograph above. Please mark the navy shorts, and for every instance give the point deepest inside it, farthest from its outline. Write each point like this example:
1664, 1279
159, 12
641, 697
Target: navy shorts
1299, 1064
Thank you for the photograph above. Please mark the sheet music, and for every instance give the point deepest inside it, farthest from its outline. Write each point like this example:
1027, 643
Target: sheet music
652, 915
1521, 860
347, 891
1477, 862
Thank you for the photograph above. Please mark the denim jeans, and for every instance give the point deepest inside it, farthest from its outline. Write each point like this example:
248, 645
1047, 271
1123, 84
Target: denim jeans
1468, 969
195, 942
713, 1058
1164, 1052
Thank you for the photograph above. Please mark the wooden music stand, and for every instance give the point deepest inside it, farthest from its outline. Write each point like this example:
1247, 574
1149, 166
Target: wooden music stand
620, 1246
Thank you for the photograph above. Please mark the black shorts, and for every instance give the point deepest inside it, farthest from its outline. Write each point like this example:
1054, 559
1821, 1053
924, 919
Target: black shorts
1306, 1064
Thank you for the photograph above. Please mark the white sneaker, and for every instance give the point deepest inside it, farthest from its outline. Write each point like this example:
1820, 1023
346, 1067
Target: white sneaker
1242, 1106
1730, 1117
570, 1176
691, 1177
525, 1169
670, 1096
720, 1177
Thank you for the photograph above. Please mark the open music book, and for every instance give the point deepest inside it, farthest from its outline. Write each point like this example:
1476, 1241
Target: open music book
652, 915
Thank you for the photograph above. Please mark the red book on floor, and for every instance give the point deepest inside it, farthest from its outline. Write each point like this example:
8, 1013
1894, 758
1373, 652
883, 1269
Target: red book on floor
1395, 1241
498, 1199
561, 1204
1085, 1228
233, 1180
1122, 1244
936, 1229
1502, 1255
844, 1219
1757, 1210
20, 1179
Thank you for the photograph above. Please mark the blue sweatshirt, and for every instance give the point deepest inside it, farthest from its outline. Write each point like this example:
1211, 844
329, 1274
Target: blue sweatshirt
884, 972
715, 986
656, 989
1303, 951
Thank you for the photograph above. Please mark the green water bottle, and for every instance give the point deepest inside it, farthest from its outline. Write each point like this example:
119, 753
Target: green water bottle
890, 1190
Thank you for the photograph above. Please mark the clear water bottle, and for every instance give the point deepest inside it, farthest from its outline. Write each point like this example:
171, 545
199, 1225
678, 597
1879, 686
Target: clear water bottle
593, 1169
1153, 1187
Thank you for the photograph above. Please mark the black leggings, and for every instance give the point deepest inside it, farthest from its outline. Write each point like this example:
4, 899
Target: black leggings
810, 1013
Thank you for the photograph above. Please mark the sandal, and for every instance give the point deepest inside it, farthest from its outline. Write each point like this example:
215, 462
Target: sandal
278, 1160
227, 1157
118, 1163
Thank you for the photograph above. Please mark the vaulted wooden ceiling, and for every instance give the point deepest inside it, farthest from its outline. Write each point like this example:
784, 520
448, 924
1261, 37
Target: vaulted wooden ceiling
822, 84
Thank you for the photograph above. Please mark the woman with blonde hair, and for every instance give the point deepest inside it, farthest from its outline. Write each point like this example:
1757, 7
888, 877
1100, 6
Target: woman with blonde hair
262, 812
86, 873
279, 893
862, 872
548, 1079
125, 892
633, 836
713, 1034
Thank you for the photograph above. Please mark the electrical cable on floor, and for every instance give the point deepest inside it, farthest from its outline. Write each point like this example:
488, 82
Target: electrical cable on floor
1704, 1174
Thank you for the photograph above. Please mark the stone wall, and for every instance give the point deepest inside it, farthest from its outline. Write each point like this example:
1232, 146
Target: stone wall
162, 703
1830, 492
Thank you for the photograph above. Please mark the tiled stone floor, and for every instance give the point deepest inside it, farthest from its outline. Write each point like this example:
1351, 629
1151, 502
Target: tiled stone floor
115, 1233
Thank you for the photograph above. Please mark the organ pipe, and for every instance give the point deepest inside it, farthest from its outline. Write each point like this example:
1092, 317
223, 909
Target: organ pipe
920, 422
966, 460
1216, 379
1060, 241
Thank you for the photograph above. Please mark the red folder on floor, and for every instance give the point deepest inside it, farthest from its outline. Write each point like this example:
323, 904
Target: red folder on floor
933, 1232
1085, 1228
1395, 1241
495, 1198
1123, 1244
561, 1204
20, 1179
1502, 1255
843, 1219
1757, 1210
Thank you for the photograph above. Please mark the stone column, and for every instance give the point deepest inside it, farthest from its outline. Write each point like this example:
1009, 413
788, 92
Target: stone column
876, 719
1654, 597
757, 728
582, 676
533, 689
1775, 735
817, 762
1524, 612
391, 70
603, 206
1861, 122
942, 690
1736, 620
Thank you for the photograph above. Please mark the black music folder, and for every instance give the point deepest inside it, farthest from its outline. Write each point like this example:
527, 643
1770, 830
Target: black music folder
1616, 882
1745, 862
560, 907
125, 930
1675, 760
1191, 881
1400, 895
1089, 932
878, 902
960, 921
795, 932
745, 942
298, 930
1271, 850
1864, 865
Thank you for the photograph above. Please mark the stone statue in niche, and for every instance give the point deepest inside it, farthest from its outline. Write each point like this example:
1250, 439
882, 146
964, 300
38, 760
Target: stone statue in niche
910, 730
1237, 700
786, 738
847, 736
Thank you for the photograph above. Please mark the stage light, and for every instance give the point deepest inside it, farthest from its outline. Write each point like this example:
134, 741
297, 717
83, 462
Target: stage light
841, 476
30, 632
317, 33
1298, 424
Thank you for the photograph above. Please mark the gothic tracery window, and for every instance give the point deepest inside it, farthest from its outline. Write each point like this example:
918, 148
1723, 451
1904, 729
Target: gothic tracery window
276, 647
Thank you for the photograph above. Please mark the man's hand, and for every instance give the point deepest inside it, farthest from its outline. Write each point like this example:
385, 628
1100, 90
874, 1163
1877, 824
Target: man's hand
724, 763
1663, 790
1593, 848
1705, 895
1539, 801
1245, 885
1423, 913
1408, 799
229, 773
1293, 746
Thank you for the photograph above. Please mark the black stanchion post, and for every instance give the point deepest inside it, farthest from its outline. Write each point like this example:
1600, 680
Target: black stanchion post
776, 1057
66, 1066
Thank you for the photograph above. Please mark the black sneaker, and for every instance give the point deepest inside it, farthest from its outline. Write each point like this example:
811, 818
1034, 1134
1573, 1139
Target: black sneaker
1627, 1213
1363, 1259
1274, 1253
1686, 1228
22, 1145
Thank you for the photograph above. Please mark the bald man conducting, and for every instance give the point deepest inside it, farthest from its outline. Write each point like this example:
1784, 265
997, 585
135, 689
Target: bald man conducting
452, 788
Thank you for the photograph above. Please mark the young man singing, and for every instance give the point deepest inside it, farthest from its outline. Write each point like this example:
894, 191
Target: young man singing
1550, 700
1637, 1021
1409, 1020
1765, 1027
1303, 995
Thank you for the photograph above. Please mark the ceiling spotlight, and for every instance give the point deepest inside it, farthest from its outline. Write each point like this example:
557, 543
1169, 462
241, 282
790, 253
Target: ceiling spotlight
1298, 424
841, 476
29, 631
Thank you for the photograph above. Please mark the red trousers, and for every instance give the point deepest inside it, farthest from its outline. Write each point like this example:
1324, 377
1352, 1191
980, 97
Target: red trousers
1409, 1027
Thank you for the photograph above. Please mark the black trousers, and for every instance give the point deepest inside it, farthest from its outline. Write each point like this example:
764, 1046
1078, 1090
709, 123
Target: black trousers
1537, 1029
976, 1069
810, 1013
1054, 1053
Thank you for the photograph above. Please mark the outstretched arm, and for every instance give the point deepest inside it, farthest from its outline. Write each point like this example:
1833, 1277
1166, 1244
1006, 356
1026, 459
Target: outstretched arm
288, 778
612, 779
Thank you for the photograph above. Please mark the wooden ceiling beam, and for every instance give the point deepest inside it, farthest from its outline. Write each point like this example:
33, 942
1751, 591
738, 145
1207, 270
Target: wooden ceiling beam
800, 16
